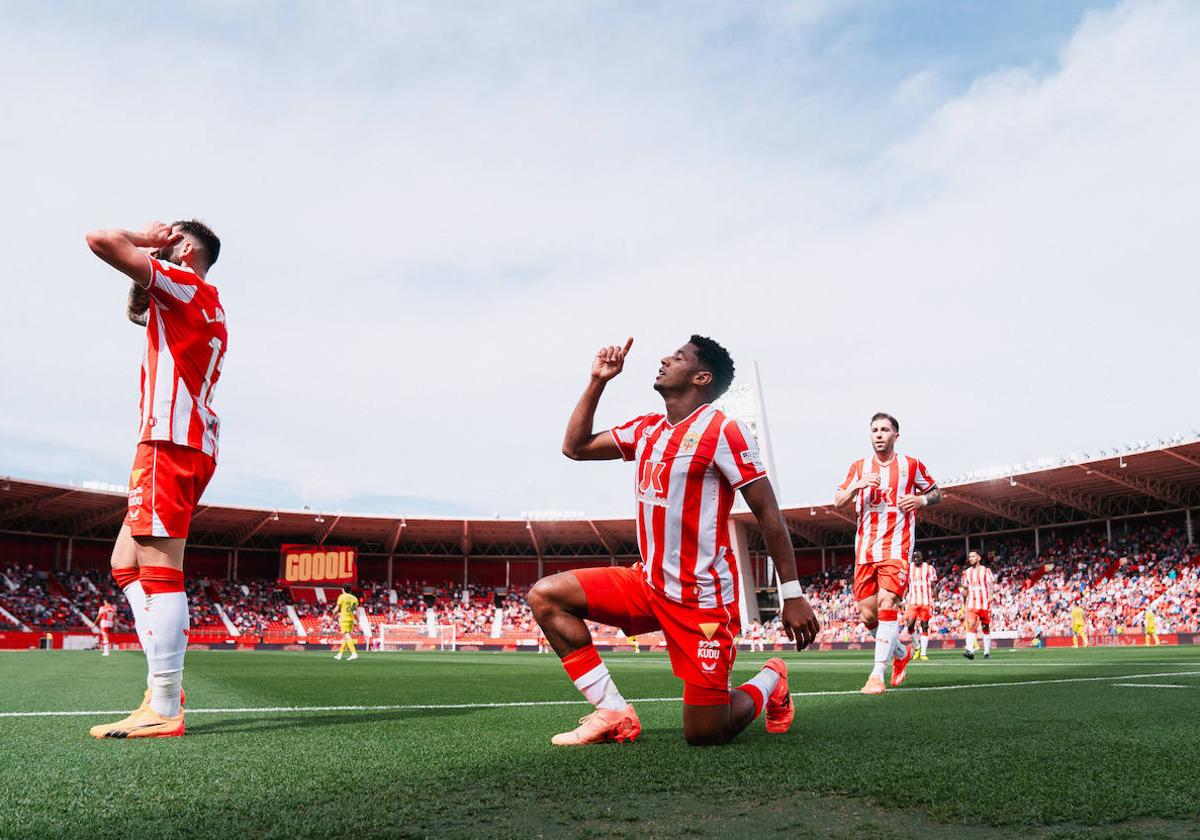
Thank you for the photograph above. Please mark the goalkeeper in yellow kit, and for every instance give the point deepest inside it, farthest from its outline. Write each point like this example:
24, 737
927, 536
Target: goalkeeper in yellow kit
1078, 626
347, 613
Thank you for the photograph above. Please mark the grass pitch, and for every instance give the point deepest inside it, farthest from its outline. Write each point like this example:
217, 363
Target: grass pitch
1073, 744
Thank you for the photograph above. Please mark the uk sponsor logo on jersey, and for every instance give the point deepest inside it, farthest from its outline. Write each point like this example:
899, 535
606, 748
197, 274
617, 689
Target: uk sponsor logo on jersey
651, 489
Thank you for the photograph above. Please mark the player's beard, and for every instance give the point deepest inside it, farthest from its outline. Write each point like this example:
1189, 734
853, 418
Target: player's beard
165, 253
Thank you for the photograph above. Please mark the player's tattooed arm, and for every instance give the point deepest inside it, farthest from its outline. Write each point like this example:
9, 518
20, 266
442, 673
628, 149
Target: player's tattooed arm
910, 502
580, 443
138, 307
124, 249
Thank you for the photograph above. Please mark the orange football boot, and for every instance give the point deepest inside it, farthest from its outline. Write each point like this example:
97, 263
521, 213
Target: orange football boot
780, 710
600, 726
874, 686
900, 667
144, 723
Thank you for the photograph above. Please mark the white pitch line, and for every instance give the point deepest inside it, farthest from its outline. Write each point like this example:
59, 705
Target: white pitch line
1151, 685
417, 707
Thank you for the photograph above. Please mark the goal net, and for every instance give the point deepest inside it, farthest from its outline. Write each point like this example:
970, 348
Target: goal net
416, 637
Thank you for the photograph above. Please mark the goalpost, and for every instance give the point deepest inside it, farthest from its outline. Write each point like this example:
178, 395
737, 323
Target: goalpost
417, 637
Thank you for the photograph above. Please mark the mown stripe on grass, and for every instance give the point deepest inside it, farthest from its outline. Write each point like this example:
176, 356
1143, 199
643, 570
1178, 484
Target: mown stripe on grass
534, 703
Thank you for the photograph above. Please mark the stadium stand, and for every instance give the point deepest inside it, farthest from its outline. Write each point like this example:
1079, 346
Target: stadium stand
1116, 533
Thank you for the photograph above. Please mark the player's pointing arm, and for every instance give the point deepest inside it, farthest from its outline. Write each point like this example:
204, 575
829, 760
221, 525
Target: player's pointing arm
580, 443
123, 249
799, 621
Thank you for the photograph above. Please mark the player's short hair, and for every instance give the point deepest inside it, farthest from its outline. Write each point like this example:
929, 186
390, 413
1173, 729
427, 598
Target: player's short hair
883, 415
210, 244
345, 587
716, 360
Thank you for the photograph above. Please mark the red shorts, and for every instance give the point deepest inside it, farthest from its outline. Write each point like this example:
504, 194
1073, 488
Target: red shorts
891, 575
699, 641
917, 613
984, 616
164, 488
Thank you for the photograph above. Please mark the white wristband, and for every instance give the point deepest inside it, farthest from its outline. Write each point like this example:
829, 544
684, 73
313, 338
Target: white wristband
924, 501
790, 589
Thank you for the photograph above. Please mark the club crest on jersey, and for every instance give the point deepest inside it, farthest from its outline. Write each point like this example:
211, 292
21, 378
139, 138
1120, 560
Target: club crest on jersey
690, 441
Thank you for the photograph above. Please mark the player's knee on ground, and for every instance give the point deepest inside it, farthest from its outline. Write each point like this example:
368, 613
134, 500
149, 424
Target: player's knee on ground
706, 730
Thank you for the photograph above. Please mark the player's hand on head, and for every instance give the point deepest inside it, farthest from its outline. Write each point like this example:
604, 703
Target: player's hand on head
800, 622
158, 234
610, 361
908, 503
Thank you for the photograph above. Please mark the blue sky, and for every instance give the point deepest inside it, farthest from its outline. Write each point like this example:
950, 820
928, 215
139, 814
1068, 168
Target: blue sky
434, 213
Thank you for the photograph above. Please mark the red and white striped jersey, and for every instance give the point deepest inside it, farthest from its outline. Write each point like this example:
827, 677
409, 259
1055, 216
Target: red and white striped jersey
106, 615
920, 585
884, 531
978, 581
685, 481
185, 349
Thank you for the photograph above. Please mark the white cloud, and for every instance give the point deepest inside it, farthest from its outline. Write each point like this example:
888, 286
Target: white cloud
432, 216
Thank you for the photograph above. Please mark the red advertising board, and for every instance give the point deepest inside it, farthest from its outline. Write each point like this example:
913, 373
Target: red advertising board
303, 565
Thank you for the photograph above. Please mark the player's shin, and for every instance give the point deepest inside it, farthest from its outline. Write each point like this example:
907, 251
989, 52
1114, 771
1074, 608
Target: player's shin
971, 640
987, 643
131, 586
590, 675
924, 642
759, 688
885, 640
166, 635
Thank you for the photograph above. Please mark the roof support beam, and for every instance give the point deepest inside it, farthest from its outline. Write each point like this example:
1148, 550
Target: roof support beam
1187, 459
1079, 501
1007, 510
946, 521
240, 538
612, 555
87, 523
322, 536
20, 509
1154, 489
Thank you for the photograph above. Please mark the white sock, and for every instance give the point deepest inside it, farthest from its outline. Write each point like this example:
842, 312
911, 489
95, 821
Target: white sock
136, 597
166, 634
765, 681
885, 641
598, 687
924, 643
899, 649
971, 640
164, 693
987, 643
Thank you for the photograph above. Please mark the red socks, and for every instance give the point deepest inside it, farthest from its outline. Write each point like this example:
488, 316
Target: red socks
159, 579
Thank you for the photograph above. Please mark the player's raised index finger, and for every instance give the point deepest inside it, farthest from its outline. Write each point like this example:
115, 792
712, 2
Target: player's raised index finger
628, 344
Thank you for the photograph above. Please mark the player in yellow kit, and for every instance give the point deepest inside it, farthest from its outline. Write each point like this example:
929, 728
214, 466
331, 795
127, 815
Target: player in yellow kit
1151, 627
347, 613
1078, 626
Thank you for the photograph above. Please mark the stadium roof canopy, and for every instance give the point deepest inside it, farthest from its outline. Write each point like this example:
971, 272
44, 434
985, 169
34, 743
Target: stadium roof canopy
1146, 481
